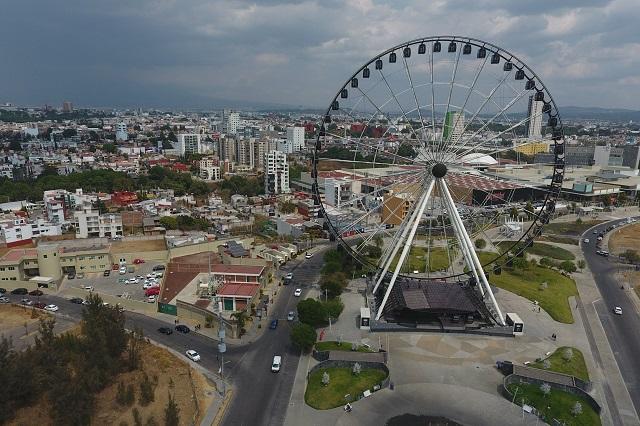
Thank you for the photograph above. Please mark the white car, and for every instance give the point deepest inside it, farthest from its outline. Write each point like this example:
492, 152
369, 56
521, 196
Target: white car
88, 287
308, 255
122, 270
151, 299
51, 308
586, 240
276, 364
193, 355
298, 292
289, 276
617, 310
148, 285
291, 316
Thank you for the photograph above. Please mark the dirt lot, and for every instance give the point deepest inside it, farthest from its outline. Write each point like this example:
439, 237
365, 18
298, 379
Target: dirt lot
14, 316
137, 246
627, 238
190, 389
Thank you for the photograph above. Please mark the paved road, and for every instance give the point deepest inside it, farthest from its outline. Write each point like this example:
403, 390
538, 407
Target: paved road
623, 331
262, 397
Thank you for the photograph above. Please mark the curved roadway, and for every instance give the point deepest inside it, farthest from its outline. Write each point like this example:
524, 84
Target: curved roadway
623, 331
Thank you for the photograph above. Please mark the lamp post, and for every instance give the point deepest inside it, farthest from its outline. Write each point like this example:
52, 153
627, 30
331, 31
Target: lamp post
222, 348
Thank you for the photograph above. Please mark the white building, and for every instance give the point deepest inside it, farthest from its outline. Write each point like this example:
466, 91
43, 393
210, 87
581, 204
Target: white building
231, 121
188, 143
453, 126
6, 170
340, 190
121, 132
209, 170
18, 230
276, 180
295, 138
90, 223
534, 124
245, 153
284, 145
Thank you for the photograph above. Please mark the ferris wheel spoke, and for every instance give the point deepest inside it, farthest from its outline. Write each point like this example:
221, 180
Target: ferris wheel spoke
415, 97
360, 143
470, 91
442, 142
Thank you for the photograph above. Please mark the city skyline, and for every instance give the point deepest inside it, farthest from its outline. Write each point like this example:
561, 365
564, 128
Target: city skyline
297, 53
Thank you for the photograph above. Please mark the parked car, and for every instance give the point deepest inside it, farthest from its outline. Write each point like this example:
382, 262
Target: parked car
27, 302
51, 308
4, 299
106, 273
617, 310
122, 270
138, 261
152, 298
308, 255
71, 275
291, 316
276, 364
88, 287
80, 275
193, 355
19, 290
298, 292
76, 300
36, 293
289, 276
586, 241
182, 328
165, 330
40, 305
274, 324
158, 268
153, 291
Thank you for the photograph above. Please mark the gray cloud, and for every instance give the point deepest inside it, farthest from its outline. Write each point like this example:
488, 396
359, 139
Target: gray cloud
197, 52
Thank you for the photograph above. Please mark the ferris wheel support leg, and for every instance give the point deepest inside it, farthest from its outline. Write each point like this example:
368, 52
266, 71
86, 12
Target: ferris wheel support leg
476, 262
407, 245
396, 248
461, 240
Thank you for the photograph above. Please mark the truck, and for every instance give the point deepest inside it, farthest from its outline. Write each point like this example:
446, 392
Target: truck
512, 319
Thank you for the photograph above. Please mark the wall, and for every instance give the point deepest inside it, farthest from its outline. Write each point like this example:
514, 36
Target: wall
198, 315
149, 256
202, 247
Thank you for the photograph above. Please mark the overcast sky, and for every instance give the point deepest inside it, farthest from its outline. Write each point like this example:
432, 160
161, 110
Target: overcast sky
193, 53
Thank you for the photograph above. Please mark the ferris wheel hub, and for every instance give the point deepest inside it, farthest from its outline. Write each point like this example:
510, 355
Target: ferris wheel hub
439, 170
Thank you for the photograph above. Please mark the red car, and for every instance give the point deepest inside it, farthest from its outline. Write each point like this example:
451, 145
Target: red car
138, 261
153, 291
39, 305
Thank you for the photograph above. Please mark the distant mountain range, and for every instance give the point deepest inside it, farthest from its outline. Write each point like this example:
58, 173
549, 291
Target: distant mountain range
592, 113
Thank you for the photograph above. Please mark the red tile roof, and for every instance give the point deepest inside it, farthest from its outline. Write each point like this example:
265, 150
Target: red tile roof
17, 255
238, 289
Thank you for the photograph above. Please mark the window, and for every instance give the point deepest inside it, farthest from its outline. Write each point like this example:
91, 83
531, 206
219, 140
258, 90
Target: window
103, 266
2, 269
45, 256
92, 257
12, 268
13, 279
93, 266
80, 257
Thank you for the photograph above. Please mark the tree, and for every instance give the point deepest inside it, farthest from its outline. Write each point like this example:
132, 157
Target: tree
287, 207
581, 264
520, 263
325, 378
405, 150
241, 317
568, 266
169, 222
15, 145
356, 369
631, 256
545, 388
171, 413
67, 133
378, 241
303, 336
547, 262
513, 212
147, 391
333, 308
480, 243
109, 148
311, 312
567, 354
529, 210
578, 221
333, 284
576, 410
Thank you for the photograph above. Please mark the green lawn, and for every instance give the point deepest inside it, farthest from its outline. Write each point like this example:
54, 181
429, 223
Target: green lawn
575, 367
542, 249
560, 239
526, 283
417, 259
570, 228
556, 405
341, 383
334, 346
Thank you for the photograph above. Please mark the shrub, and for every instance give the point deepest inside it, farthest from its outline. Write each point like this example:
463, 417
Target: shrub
303, 336
480, 243
311, 312
333, 308
147, 391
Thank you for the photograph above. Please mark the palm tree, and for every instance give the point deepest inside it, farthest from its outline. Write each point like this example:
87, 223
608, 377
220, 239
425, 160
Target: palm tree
241, 317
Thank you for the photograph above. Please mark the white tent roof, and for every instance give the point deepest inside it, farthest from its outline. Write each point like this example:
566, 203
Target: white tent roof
478, 158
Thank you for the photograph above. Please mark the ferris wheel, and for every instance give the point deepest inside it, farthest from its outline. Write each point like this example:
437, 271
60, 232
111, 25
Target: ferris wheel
405, 164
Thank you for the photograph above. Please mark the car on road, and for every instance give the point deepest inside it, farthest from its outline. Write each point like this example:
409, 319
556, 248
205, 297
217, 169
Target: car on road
165, 330
71, 275
586, 241
19, 290
36, 293
40, 305
51, 308
276, 364
274, 324
27, 302
4, 299
138, 261
76, 300
106, 272
291, 316
182, 328
289, 276
617, 310
88, 287
595, 231
80, 275
298, 292
193, 355
122, 270
308, 255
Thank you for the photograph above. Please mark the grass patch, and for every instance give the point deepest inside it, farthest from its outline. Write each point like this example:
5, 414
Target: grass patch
570, 228
526, 283
560, 239
542, 249
341, 383
334, 346
575, 367
556, 405
418, 256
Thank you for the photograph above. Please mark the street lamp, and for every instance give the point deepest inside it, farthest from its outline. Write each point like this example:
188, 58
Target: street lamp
222, 348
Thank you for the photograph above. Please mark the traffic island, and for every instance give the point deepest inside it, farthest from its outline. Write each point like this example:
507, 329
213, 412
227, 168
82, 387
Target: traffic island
341, 387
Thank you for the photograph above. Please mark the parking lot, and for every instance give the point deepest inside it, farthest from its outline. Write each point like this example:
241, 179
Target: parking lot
113, 285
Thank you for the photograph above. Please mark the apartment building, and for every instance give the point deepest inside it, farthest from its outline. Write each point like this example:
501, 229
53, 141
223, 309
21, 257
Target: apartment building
276, 179
295, 138
15, 231
188, 143
90, 223
209, 169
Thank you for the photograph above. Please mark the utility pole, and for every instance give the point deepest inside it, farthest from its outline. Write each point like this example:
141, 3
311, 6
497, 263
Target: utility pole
222, 348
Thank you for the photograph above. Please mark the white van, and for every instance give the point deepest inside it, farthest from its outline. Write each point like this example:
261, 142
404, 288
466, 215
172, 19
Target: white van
275, 365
